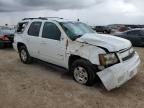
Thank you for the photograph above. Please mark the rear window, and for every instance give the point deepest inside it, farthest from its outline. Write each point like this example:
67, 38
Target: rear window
7, 30
34, 29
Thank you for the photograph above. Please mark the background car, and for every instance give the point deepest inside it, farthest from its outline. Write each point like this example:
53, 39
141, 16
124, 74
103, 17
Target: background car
123, 29
6, 36
136, 36
102, 29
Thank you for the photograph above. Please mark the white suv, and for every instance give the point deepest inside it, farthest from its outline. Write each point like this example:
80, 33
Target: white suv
76, 47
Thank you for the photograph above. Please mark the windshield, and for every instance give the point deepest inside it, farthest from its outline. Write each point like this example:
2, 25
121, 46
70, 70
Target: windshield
76, 29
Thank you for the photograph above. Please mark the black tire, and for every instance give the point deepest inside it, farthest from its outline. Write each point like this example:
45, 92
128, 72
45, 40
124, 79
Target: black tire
88, 67
28, 59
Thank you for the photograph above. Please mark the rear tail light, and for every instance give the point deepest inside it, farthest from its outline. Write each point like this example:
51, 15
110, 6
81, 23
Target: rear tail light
4, 38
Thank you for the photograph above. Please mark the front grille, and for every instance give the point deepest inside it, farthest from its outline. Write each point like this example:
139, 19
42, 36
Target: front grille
127, 54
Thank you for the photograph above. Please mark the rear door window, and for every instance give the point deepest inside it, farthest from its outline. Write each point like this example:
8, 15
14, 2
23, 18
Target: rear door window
34, 29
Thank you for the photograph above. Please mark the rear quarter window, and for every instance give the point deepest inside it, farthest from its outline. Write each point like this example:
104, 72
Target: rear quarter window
21, 27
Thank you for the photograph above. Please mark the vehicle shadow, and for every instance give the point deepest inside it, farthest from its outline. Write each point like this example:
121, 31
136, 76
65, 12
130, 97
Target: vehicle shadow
53, 68
64, 74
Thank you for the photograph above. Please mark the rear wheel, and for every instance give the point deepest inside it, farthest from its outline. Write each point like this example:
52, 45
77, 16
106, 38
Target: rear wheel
24, 55
82, 72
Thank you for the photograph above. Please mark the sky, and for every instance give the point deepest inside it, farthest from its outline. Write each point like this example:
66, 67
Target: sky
93, 12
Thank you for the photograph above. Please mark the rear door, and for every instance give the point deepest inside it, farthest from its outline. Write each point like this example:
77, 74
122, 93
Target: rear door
33, 38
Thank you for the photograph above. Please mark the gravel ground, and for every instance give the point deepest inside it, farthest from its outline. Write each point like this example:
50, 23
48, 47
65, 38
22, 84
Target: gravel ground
40, 85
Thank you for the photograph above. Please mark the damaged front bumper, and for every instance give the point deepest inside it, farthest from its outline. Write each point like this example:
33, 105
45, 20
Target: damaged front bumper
118, 74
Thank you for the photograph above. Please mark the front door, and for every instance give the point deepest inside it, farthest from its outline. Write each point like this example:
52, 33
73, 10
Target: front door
52, 44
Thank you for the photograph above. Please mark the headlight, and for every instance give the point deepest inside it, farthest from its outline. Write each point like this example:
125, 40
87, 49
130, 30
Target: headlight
108, 59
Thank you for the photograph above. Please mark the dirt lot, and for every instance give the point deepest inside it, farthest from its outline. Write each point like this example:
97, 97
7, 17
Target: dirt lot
41, 85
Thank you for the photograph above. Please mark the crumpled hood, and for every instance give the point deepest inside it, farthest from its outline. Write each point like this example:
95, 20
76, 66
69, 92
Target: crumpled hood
109, 42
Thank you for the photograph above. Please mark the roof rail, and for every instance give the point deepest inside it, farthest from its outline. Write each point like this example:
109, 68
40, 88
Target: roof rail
34, 18
52, 17
42, 18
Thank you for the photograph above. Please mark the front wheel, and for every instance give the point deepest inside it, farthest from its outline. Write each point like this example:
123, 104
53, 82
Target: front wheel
24, 55
82, 72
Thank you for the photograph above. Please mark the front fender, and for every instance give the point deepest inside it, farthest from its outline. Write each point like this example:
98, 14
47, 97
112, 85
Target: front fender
88, 52
94, 55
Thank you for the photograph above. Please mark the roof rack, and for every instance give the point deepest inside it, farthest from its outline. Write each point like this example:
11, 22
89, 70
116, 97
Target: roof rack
42, 18
34, 18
